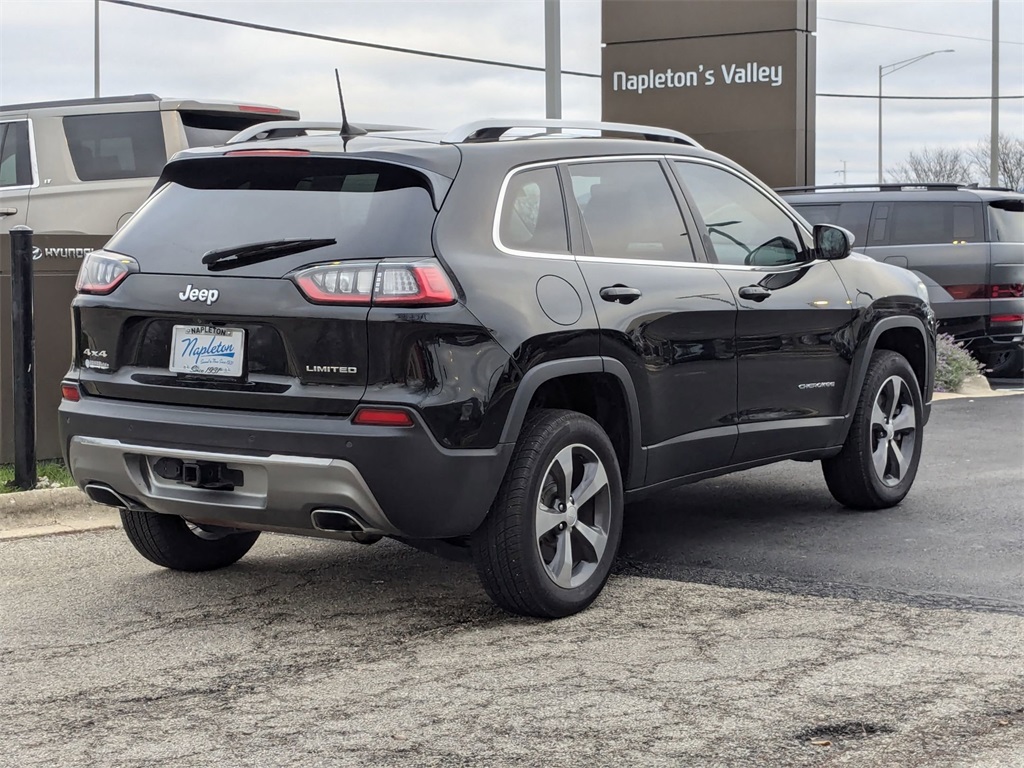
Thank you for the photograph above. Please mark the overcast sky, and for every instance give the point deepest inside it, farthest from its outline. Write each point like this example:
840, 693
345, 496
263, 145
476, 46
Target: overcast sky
46, 52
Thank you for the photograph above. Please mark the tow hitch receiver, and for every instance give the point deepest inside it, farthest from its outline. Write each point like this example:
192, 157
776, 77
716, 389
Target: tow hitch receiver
214, 475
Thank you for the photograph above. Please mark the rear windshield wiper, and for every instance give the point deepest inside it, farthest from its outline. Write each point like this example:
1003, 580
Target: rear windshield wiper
254, 253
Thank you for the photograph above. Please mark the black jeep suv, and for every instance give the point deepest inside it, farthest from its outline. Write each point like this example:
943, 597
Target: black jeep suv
484, 340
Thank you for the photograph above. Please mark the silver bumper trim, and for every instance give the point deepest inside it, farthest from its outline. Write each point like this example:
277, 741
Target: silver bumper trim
278, 491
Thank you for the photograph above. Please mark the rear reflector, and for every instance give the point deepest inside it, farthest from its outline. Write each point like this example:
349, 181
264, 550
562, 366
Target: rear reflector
261, 110
967, 291
1007, 318
382, 417
267, 152
70, 392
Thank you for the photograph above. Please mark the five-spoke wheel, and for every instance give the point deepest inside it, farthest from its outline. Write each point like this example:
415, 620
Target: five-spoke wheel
893, 431
573, 515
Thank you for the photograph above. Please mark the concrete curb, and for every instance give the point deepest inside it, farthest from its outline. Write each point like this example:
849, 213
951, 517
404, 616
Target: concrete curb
46, 501
52, 511
976, 386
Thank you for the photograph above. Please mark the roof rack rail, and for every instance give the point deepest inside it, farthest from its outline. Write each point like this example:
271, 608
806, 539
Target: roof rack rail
275, 129
131, 99
884, 187
493, 129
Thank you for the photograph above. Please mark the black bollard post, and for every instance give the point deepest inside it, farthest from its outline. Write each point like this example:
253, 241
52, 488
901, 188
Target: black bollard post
23, 341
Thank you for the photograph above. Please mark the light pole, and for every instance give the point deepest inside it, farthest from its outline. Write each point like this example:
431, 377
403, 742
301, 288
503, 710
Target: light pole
888, 69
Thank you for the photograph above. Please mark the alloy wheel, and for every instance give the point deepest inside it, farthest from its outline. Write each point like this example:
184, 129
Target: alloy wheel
893, 431
573, 516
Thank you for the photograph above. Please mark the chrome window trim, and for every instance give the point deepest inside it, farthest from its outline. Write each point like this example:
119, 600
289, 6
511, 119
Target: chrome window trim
31, 154
701, 264
756, 183
568, 256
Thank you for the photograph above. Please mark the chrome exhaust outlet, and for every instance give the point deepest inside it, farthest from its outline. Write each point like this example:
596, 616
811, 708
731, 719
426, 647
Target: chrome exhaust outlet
342, 521
103, 494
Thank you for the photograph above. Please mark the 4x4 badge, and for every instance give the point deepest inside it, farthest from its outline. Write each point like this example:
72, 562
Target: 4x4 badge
209, 295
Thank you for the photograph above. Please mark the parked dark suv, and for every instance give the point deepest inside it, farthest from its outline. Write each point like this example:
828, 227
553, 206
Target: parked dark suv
965, 243
479, 340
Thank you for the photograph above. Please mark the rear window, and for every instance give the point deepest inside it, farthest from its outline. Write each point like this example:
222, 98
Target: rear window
127, 145
372, 209
1006, 219
210, 129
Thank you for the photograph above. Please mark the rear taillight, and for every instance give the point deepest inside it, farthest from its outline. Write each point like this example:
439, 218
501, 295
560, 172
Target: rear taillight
70, 392
409, 284
1008, 291
102, 272
337, 283
1007, 318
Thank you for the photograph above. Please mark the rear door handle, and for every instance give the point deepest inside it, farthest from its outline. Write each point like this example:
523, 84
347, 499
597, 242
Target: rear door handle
754, 293
621, 293
8, 211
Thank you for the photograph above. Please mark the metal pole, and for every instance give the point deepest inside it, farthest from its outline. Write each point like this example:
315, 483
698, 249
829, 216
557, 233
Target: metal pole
23, 341
553, 59
879, 124
993, 170
96, 51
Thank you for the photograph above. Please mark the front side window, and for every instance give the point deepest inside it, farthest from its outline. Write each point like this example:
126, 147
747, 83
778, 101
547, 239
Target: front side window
15, 155
532, 216
745, 225
630, 211
126, 145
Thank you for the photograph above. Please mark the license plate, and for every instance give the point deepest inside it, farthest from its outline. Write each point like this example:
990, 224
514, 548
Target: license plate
207, 351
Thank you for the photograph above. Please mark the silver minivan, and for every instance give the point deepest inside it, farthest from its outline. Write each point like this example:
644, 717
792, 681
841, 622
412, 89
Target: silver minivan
965, 243
83, 166
74, 171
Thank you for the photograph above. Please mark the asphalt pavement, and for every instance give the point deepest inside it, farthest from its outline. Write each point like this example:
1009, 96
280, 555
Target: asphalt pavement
957, 540
882, 639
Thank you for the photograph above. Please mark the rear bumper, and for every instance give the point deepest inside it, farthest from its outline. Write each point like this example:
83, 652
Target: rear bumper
397, 480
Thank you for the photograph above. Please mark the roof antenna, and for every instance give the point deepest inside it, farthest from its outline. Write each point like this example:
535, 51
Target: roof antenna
347, 131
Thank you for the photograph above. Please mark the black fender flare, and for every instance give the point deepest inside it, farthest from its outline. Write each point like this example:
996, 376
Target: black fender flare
554, 369
859, 367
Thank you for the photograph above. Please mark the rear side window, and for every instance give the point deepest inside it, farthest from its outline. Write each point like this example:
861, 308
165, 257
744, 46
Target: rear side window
1006, 220
206, 129
851, 216
915, 223
127, 145
630, 211
15, 155
372, 210
532, 214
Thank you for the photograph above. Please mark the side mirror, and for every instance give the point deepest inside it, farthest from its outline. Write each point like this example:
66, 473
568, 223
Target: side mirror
832, 242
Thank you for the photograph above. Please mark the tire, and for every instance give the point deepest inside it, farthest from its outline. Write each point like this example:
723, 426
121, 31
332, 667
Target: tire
874, 470
520, 551
1005, 364
172, 542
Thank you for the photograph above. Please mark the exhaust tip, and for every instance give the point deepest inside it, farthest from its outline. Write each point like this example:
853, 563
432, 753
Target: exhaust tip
337, 520
103, 494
